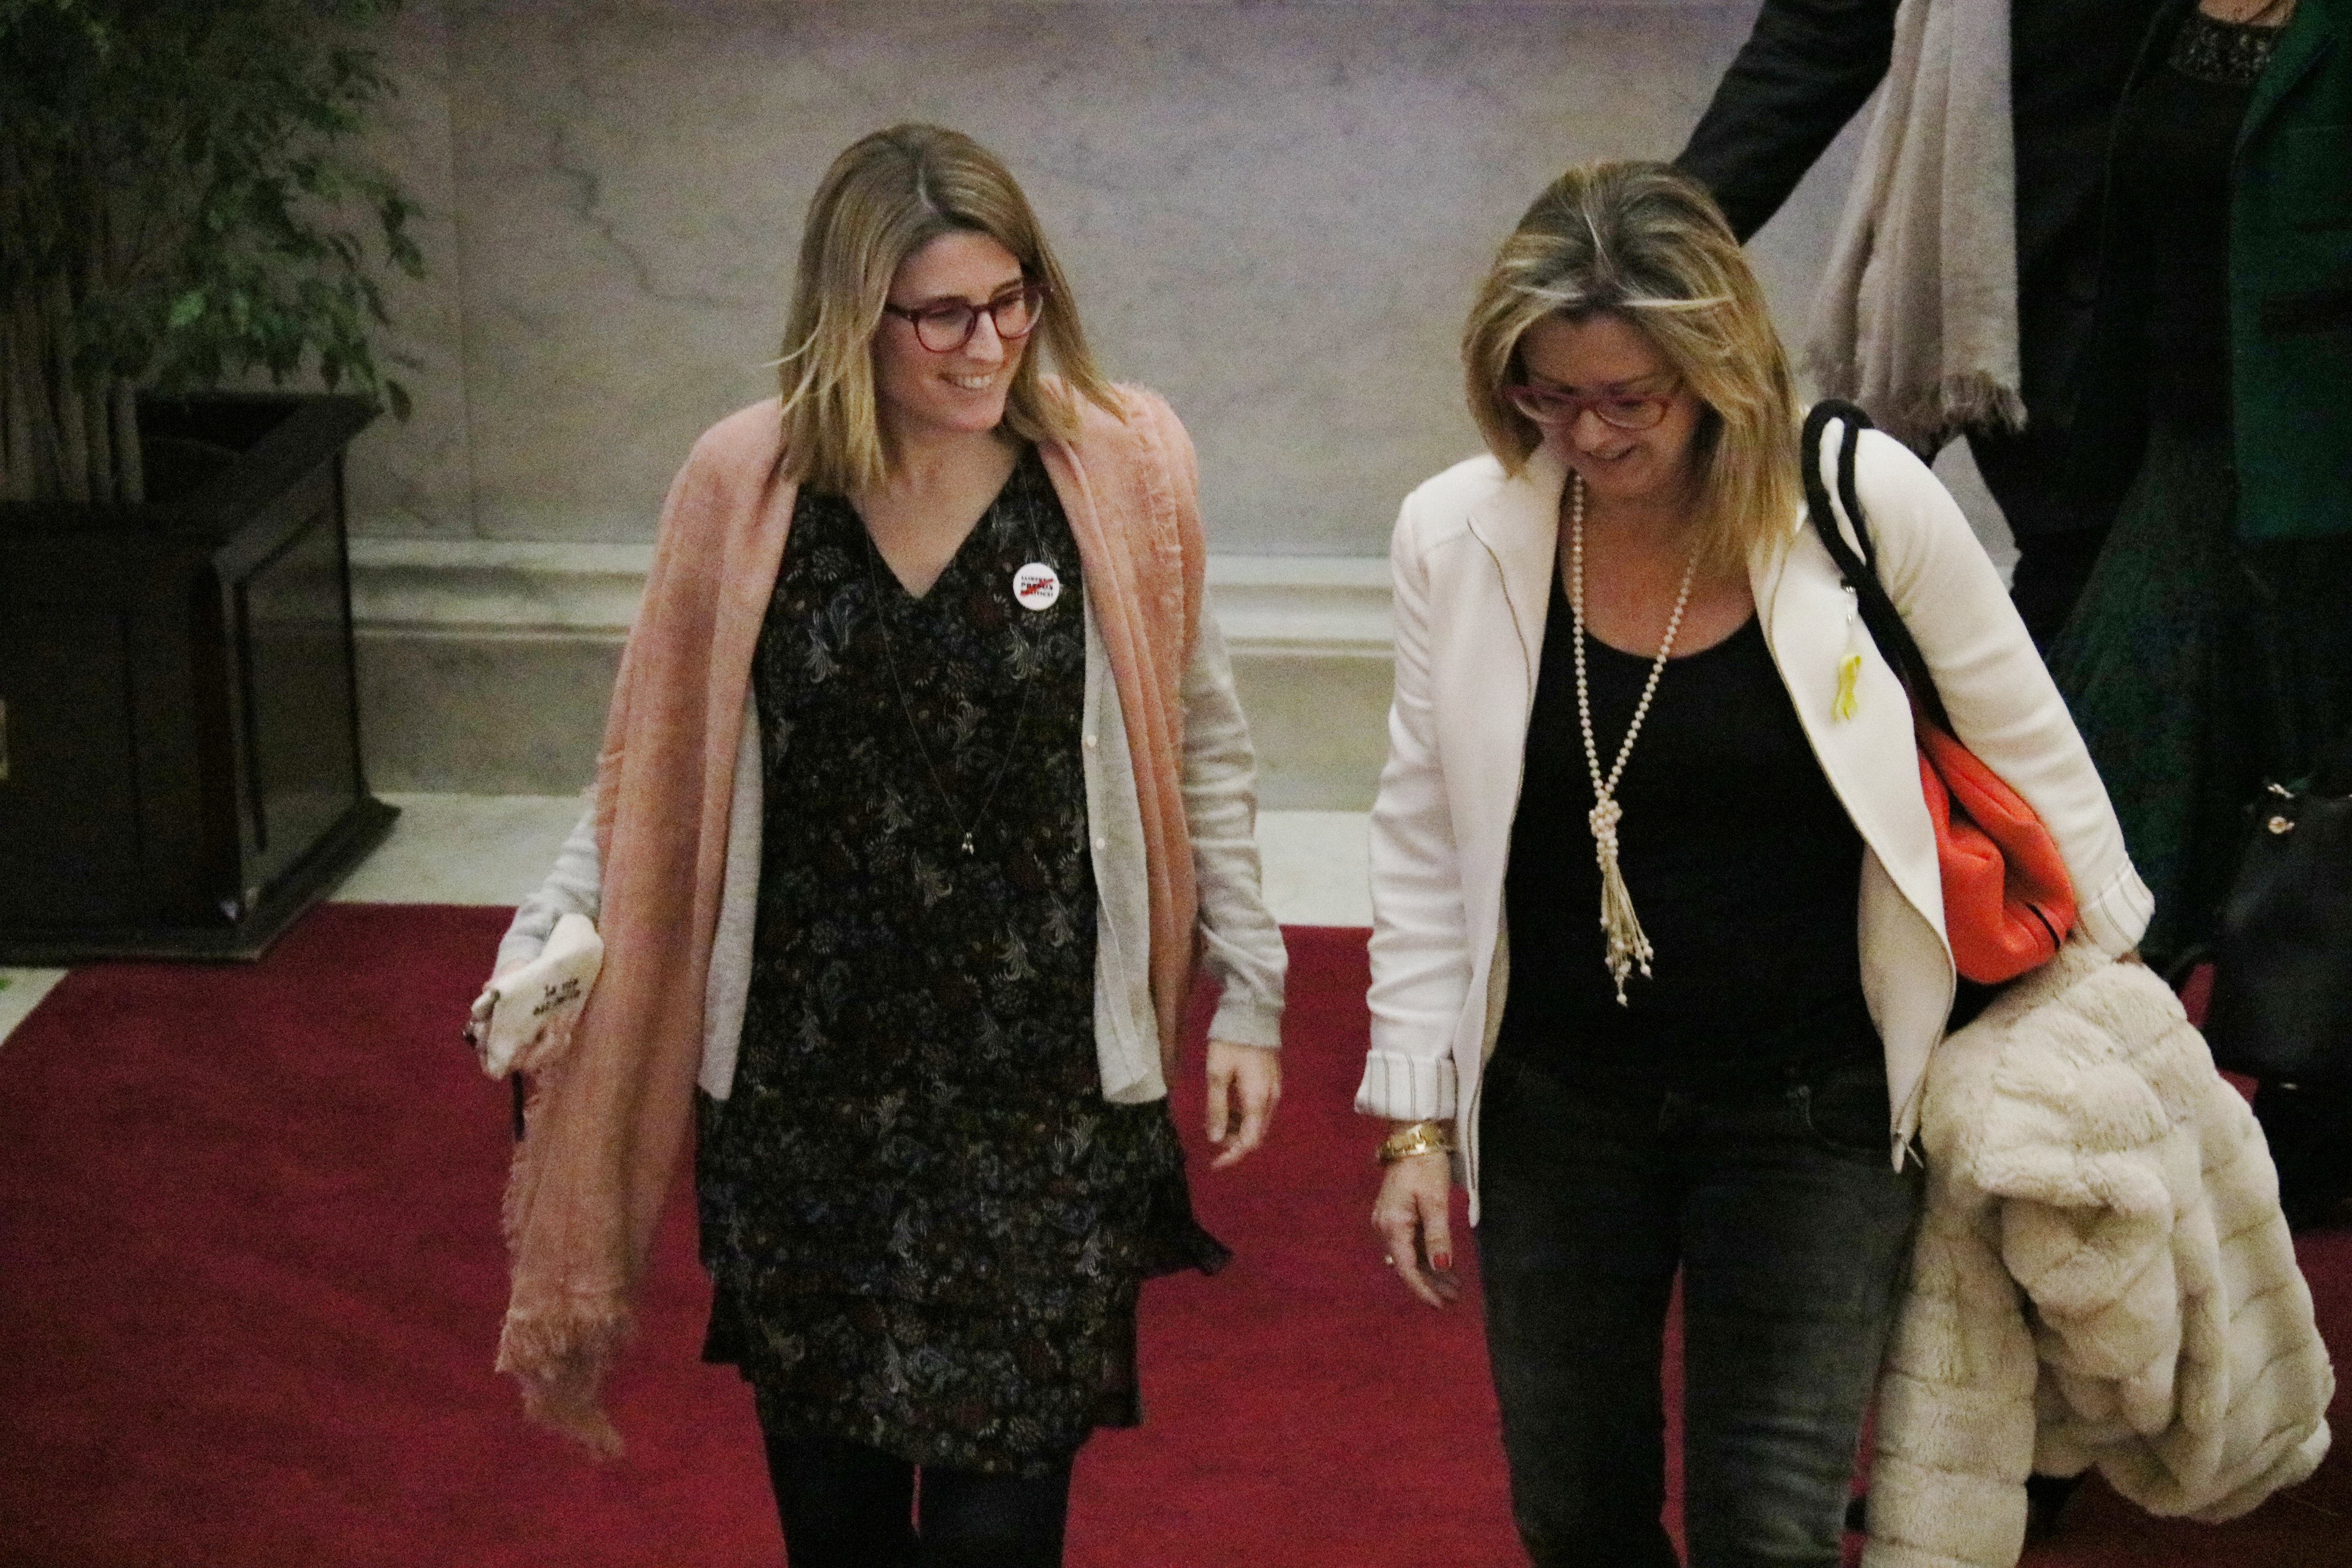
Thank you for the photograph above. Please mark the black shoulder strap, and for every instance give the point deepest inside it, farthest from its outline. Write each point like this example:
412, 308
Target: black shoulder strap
1860, 566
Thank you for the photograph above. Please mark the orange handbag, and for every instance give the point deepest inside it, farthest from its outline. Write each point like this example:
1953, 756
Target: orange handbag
2008, 902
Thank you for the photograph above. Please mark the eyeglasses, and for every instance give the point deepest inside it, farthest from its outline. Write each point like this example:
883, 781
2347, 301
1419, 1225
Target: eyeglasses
945, 325
1623, 410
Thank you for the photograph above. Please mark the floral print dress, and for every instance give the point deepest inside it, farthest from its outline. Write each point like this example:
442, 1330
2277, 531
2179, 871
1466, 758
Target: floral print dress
925, 1226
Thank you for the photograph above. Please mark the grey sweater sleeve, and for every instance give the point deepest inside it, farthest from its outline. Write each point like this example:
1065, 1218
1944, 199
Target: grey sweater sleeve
574, 886
1241, 945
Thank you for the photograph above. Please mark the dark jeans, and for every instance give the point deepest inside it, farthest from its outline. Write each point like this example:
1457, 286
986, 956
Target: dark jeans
2025, 470
844, 1505
1791, 1231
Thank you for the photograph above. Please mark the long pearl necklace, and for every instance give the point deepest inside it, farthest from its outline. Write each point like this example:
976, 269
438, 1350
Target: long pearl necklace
1629, 945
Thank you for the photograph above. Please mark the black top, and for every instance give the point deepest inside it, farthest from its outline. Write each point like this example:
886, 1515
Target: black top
1744, 867
2164, 274
2174, 139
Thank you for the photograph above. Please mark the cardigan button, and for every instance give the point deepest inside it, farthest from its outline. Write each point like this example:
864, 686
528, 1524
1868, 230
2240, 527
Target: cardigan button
1089, 742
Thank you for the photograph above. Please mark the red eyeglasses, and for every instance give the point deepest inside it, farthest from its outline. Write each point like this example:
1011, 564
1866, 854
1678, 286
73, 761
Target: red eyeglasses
1616, 407
944, 326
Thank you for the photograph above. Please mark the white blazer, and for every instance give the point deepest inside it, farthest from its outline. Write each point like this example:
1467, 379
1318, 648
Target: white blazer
1472, 559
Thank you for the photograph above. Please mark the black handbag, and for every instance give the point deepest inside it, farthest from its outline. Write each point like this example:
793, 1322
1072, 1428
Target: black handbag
2282, 1001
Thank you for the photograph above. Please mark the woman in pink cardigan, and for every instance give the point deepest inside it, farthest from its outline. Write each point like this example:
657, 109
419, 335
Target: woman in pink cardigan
923, 792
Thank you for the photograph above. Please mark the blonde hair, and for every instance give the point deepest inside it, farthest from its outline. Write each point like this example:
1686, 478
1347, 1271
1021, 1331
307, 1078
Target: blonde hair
1646, 244
885, 197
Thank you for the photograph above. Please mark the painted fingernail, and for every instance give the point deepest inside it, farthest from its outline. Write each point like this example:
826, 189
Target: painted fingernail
1443, 1262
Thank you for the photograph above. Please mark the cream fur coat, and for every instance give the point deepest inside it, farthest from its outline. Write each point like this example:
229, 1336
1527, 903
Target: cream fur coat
2102, 1279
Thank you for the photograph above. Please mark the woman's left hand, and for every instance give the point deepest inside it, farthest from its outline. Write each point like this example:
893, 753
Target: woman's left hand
1244, 1085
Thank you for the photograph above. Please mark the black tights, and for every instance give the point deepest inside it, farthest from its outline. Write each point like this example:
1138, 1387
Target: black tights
844, 1505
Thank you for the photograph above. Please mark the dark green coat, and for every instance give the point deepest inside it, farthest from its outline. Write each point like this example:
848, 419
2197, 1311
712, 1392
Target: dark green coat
2290, 295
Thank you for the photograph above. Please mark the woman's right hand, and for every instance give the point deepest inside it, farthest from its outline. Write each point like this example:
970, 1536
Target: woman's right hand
478, 1019
1411, 1214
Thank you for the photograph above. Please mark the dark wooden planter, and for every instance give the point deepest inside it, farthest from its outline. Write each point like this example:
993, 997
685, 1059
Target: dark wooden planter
180, 767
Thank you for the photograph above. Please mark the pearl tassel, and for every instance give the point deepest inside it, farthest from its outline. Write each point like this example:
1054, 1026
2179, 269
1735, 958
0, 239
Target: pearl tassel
1629, 945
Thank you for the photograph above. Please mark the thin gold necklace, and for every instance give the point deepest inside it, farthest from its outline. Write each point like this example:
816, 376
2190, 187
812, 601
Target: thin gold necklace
1629, 945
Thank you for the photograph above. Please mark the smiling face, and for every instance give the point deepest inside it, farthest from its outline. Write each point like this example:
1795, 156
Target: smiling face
925, 395
1605, 352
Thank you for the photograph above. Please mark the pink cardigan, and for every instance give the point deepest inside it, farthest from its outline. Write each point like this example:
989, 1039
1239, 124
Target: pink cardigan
606, 1128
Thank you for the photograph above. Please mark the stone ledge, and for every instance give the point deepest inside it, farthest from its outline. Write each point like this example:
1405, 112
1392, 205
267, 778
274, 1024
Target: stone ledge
1316, 607
478, 588
485, 664
1270, 605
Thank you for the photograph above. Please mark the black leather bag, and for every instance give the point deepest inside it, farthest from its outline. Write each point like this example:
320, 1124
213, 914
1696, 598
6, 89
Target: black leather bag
2282, 1004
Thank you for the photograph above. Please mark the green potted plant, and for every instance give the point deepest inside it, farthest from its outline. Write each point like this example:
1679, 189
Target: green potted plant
185, 211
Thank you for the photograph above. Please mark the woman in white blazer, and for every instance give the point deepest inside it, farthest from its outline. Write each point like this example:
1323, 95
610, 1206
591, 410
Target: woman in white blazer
1666, 998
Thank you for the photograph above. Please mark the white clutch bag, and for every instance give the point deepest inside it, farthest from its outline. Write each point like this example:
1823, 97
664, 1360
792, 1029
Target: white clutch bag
531, 1010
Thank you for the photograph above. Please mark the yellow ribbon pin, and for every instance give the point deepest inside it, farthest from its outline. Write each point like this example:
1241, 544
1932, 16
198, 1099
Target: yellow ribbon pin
1847, 702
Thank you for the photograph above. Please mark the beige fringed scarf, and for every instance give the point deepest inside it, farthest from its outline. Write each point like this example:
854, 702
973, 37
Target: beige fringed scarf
606, 1129
1917, 318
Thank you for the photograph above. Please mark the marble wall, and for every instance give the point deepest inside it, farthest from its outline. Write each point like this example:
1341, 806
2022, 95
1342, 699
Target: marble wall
1274, 212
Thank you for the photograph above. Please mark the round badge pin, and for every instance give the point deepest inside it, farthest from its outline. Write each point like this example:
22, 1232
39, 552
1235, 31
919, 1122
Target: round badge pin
1036, 587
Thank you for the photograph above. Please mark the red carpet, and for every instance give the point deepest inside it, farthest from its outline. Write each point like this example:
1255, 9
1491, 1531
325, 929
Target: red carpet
249, 1284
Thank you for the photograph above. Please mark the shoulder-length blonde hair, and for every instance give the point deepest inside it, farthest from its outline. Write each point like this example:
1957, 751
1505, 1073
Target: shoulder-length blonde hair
1646, 243
885, 198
